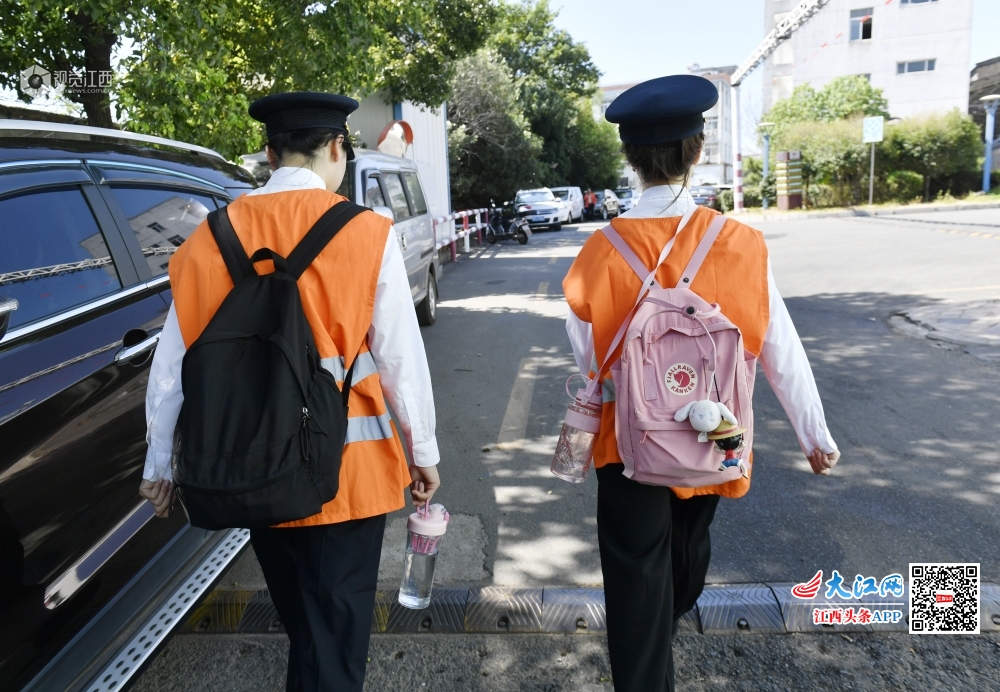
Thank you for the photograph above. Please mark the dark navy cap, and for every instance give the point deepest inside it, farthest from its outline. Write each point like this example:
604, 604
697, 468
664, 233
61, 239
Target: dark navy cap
302, 110
663, 109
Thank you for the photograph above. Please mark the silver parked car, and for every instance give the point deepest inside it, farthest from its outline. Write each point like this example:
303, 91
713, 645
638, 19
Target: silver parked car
541, 208
391, 186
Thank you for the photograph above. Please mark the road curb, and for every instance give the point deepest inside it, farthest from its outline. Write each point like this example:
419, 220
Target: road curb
761, 608
858, 212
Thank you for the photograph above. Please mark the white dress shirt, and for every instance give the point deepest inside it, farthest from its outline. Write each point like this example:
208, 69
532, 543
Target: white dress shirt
393, 339
782, 358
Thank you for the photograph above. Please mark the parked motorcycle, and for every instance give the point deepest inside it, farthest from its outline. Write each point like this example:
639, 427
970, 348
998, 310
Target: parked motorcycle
505, 224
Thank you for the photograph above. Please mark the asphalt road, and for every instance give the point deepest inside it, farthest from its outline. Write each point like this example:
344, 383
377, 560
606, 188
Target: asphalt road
919, 480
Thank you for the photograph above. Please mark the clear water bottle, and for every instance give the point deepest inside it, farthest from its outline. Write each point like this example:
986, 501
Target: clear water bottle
424, 530
575, 449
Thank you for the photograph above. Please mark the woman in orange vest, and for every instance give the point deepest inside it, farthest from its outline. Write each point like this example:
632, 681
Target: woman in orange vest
654, 540
322, 570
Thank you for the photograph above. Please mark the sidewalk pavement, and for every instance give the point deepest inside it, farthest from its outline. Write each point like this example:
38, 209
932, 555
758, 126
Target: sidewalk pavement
973, 324
757, 216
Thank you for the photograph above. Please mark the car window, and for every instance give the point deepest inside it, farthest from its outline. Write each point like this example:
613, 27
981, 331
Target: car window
561, 194
397, 198
373, 193
534, 196
52, 254
625, 194
162, 220
416, 194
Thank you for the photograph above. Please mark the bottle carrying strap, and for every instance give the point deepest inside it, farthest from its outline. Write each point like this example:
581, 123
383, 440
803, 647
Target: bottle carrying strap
687, 276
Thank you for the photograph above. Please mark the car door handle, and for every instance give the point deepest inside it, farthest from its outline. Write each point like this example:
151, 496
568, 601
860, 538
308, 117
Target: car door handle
127, 353
402, 239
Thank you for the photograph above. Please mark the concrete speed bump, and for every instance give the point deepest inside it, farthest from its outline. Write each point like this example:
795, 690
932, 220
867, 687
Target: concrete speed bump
572, 611
739, 608
494, 609
721, 609
989, 611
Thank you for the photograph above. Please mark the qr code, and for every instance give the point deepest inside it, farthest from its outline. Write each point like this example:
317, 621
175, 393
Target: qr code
944, 598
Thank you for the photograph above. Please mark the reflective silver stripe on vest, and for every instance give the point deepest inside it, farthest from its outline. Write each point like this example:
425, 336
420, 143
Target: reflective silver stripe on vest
607, 390
367, 428
364, 368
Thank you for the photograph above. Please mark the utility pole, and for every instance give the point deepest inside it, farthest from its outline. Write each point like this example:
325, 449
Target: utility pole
990, 104
784, 29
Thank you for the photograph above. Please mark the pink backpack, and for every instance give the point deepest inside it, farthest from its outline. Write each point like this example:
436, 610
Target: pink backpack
678, 350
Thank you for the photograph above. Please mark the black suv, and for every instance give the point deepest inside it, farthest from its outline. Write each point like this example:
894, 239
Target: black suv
90, 587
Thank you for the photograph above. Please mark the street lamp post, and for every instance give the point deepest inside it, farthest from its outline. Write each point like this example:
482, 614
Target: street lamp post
765, 129
990, 104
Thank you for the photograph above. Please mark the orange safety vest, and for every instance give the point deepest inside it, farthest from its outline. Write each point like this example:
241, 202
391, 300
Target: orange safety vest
338, 298
601, 289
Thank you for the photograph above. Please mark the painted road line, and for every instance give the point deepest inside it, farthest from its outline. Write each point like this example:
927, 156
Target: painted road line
553, 260
721, 609
543, 291
515, 420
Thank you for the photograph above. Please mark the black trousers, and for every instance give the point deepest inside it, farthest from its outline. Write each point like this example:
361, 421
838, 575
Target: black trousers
322, 580
655, 551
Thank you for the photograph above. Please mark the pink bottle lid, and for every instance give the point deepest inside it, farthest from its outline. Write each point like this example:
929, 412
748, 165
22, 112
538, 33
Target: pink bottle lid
429, 521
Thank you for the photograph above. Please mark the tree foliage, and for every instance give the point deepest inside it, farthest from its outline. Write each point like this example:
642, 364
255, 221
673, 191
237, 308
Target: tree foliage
555, 75
492, 150
845, 97
197, 63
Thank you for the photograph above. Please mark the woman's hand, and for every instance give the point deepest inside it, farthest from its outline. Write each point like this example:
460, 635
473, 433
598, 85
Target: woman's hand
161, 494
425, 483
822, 462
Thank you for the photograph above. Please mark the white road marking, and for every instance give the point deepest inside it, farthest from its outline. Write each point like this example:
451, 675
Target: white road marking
543, 290
515, 420
553, 260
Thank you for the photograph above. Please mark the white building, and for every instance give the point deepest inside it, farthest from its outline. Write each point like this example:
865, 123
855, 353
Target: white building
716, 164
430, 142
916, 51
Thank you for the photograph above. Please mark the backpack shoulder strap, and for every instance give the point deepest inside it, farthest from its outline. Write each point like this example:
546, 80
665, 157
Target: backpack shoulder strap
233, 254
320, 235
627, 253
701, 252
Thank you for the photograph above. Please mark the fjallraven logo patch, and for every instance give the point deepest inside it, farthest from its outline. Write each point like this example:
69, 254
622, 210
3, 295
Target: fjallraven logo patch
681, 379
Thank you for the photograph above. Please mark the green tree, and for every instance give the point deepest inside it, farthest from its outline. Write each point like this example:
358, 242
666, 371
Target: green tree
553, 74
492, 150
845, 97
195, 60
832, 154
935, 146
593, 150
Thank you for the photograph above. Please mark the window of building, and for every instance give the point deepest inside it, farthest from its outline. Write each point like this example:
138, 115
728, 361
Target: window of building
861, 24
52, 254
915, 66
162, 220
711, 124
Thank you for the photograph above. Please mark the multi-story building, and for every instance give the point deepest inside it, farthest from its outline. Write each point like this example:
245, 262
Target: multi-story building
916, 51
716, 164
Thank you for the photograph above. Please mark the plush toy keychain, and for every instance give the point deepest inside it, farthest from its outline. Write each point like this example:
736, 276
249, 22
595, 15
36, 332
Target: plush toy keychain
728, 438
705, 416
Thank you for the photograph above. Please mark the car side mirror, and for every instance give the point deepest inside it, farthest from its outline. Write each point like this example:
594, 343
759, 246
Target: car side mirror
7, 306
384, 211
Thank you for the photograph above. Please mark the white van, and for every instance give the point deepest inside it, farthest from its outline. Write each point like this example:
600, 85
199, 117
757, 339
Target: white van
573, 198
391, 186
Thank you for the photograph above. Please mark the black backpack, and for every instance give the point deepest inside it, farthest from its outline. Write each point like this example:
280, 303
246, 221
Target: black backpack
262, 427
